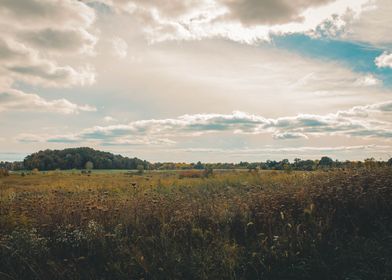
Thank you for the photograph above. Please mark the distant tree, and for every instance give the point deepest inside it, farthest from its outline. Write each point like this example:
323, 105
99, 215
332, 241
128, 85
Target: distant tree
140, 169
89, 165
390, 162
199, 165
75, 158
325, 162
370, 163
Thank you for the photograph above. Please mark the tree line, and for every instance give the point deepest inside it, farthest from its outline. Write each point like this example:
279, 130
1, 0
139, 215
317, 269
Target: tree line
285, 164
76, 158
79, 158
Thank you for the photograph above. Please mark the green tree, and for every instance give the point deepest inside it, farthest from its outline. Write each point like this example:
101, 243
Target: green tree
325, 162
199, 165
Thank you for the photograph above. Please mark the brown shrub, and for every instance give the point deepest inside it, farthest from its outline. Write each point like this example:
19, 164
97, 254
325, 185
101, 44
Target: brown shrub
4, 172
190, 174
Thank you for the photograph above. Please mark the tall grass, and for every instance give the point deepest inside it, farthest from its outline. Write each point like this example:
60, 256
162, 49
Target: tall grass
232, 225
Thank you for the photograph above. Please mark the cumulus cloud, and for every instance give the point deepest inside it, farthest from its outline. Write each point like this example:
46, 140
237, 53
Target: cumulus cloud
246, 21
384, 60
22, 63
49, 25
256, 12
44, 13
372, 25
35, 36
368, 24
357, 121
19, 101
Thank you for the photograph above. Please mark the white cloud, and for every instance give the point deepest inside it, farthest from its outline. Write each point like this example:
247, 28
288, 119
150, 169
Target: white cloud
361, 121
368, 23
19, 101
120, 47
19, 62
247, 21
109, 119
289, 135
372, 25
368, 80
36, 35
384, 60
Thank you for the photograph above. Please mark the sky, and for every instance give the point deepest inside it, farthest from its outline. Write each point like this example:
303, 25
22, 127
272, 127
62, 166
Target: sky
190, 80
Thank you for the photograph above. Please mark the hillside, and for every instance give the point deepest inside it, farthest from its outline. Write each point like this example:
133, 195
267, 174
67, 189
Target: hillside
76, 158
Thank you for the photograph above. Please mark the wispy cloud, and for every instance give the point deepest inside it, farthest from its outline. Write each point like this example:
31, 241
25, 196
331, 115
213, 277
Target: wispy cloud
363, 121
14, 100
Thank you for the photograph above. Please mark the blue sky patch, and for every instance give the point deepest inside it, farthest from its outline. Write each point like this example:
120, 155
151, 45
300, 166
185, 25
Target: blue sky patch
358, 57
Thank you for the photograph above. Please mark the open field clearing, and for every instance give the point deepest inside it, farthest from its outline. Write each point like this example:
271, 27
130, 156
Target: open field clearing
231, 225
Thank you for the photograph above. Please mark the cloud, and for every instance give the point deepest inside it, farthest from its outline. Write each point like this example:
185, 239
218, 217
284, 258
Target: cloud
49, 25
247, 21
357, 121
109, 119
60, 40
291, 150
29, 138
289, 135
36, 35
19, 62
277, 152
384, 60
19, 101
367, 81
372, 25
270, 12
120, 47
369, 23
44, 13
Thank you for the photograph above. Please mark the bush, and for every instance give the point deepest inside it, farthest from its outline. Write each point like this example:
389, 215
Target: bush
208, 172
4, 172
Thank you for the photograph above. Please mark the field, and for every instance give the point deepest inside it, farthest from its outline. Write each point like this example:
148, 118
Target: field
231, 225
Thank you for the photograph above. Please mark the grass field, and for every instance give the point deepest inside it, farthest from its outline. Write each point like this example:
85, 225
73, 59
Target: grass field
231, 225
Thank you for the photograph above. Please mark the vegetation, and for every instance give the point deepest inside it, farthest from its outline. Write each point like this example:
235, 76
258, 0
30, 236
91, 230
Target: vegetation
4, 172
78, 158
332, 224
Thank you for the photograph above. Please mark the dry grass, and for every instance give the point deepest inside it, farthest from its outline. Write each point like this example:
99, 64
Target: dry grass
233, 225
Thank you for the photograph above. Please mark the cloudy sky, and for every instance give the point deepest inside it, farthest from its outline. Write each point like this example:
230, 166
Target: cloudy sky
188, 80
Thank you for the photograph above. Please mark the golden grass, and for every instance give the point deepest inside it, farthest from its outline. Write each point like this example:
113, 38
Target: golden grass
232, 225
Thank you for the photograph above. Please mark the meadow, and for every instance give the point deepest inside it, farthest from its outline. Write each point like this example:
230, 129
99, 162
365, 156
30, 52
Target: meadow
334, 224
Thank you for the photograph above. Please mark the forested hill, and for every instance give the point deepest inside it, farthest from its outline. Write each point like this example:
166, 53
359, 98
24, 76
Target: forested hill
76, 158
